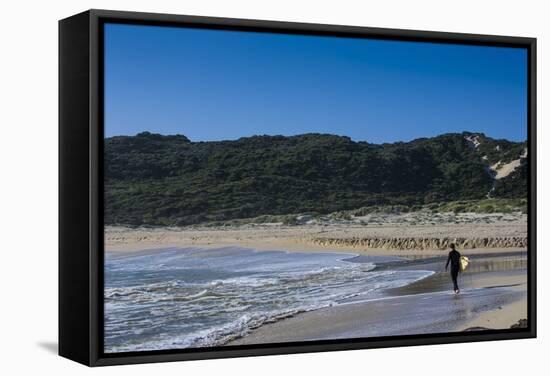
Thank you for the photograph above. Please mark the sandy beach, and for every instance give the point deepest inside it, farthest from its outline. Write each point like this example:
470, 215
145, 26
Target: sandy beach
493, 289
403, 234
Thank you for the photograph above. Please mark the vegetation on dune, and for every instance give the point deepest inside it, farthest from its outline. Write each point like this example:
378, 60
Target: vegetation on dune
152, 179
485, 206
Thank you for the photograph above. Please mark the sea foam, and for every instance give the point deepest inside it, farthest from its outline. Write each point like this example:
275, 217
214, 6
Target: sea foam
181, 298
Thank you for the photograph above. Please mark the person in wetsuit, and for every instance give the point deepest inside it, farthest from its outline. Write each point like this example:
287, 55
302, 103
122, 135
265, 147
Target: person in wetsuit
454, 260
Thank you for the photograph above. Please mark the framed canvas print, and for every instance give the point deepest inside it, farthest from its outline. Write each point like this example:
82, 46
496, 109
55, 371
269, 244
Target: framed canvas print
239, 187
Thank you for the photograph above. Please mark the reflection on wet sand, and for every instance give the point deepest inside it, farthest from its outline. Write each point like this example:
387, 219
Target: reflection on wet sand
493, 296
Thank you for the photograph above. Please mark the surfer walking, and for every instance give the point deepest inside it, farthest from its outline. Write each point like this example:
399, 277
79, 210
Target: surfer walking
454, 260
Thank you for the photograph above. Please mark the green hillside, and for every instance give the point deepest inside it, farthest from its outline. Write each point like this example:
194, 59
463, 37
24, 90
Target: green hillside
152, 179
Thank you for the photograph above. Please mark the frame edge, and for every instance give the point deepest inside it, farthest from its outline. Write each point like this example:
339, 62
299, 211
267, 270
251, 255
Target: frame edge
93, 19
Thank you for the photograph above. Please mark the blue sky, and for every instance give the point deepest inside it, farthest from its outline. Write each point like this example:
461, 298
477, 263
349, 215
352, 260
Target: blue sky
223, 85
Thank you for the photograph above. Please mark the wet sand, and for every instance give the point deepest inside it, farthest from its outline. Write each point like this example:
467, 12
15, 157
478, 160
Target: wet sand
493, 296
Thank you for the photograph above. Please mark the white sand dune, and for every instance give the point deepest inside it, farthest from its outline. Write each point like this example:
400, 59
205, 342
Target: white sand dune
502, 170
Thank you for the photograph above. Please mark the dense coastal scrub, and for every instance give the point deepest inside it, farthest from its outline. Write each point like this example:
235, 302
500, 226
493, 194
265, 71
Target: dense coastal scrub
151, 179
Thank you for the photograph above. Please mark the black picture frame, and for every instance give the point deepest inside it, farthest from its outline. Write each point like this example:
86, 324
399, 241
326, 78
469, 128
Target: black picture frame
80, 186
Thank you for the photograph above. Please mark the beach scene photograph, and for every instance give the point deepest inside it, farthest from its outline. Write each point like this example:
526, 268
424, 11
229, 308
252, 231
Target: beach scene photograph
264, 188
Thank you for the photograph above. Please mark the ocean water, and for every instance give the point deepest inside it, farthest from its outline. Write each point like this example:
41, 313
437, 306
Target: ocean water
186, 297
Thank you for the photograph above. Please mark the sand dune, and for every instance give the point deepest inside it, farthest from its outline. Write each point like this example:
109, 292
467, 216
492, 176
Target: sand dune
387, 235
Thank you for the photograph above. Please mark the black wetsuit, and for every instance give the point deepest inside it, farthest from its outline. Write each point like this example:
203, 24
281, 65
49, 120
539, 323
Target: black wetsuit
454, 259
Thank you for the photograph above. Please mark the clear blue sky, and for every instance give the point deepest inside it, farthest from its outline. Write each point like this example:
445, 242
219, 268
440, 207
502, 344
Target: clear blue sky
222, 85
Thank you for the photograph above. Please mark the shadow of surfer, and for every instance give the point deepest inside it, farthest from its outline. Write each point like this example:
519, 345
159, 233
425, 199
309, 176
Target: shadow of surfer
454, 260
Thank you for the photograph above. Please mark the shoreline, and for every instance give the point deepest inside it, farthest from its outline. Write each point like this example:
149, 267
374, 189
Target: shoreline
493, 296
493, 289
490, 300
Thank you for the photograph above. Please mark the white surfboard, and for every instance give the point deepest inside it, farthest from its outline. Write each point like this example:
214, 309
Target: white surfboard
464, 261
